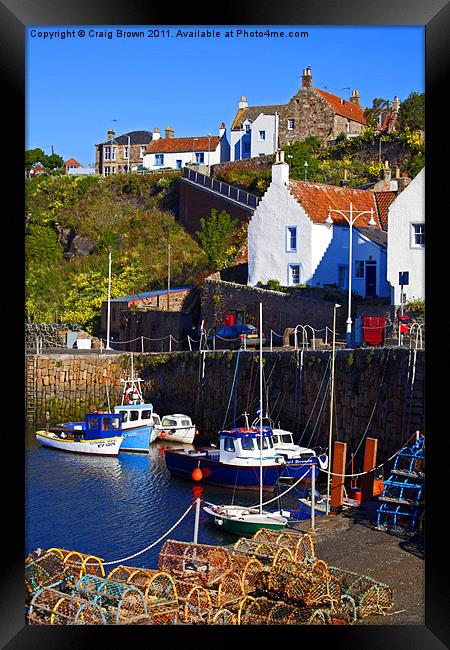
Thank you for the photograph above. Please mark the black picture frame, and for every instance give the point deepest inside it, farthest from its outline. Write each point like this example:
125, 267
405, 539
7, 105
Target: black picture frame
15, 15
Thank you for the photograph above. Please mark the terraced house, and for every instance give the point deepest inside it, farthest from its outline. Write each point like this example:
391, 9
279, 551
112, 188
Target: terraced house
118, 153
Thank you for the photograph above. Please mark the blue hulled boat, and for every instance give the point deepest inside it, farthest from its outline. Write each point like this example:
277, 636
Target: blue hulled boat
239, 461
137, 416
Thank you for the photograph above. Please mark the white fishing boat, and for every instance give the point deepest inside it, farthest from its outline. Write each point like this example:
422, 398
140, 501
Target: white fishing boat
99, 434
173, 428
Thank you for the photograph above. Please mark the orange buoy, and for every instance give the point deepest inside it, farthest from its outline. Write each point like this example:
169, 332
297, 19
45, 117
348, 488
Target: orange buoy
197, 474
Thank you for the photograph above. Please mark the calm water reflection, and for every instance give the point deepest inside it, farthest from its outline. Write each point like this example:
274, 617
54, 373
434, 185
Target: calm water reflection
113, 507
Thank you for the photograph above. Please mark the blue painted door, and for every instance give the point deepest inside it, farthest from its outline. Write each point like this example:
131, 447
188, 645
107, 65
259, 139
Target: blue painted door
371, 278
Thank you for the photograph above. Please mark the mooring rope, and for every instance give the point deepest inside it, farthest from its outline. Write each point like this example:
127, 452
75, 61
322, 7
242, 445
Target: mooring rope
130, 557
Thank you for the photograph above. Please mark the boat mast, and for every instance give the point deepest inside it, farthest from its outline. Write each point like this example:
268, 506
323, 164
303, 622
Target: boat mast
336, 306
260, 408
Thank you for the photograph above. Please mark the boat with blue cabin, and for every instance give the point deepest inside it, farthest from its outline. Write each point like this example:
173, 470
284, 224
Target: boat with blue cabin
99, 434
236, 463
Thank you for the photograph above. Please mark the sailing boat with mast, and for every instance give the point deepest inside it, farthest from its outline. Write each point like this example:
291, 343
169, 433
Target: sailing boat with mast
247, 520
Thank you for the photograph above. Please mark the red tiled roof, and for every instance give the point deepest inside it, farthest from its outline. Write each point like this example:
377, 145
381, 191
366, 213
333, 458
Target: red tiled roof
178, 145
384, 200
72, 161
316, 198
343, 106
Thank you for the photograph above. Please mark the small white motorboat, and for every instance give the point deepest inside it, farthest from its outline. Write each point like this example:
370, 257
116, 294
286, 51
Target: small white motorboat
173, 428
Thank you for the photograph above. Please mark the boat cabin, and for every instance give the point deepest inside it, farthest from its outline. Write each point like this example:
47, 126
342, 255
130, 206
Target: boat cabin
176, 421
245, 443
135, 415
95, 426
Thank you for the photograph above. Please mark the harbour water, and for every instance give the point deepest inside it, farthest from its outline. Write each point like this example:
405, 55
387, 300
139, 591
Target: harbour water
115, 507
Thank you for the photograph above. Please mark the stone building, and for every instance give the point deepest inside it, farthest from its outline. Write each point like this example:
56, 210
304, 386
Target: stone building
260, 130
118, 153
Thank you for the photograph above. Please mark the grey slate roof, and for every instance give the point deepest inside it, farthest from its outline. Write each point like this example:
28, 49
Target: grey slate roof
374, 234
136, 137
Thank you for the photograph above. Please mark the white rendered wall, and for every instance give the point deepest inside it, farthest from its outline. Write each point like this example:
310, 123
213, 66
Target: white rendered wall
408, 208
267, 255
185, 157
265, 123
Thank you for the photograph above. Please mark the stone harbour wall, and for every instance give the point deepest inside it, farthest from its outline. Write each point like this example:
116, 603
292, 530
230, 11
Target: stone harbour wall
374, 394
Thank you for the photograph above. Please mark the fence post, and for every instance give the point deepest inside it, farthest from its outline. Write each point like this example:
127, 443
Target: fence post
170, 342
370, 459
313, 495
271, 340
197, 518
337, 486
142, 344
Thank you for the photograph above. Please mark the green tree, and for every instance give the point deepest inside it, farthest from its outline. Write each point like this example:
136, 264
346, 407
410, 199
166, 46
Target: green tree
412, 112
216, 237
32, 156
372, 114
297, 153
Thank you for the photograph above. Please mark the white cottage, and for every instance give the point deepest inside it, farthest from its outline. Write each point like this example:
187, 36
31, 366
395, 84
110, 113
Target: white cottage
406, 241
176, 153
289, 239
254, 131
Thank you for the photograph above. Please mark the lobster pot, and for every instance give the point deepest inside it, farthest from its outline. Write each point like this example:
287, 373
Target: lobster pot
284, 571
302, 546
43, 570
401, 488
251, 571
369, 596
201, 562
401, 518
263, 611
223, 617
263, 551
410, 461
122, 601
81, 563
52, 607
195, 603
313, 590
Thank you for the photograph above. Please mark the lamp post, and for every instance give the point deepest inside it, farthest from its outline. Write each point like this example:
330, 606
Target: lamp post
336, 306
350, 220
108, 321
305, 165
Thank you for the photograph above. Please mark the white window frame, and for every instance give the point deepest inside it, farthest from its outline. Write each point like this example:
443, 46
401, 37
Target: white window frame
107, 171
200, 157
415, 234
289, 235
107, 153
262, 135
291, 124
113, 170
113, 153
159, 156
143, 151
291, 283
125, 152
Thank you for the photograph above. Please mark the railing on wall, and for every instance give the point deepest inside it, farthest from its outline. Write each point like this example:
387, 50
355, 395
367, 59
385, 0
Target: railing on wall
220, 187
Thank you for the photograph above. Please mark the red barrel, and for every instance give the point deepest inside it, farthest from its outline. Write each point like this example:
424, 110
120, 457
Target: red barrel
374, 328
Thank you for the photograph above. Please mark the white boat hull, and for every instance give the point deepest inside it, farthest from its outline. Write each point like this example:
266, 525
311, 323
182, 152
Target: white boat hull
180, 434
102, 447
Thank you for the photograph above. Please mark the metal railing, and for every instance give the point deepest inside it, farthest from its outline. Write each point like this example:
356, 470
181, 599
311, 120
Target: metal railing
221, 187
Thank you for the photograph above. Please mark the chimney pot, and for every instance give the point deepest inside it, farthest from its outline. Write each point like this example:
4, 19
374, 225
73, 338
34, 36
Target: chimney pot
307, 78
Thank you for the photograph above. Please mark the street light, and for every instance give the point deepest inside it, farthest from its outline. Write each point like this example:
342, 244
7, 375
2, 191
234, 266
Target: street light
350, 220
306, 168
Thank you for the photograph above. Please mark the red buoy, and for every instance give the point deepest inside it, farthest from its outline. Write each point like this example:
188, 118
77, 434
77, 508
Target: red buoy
197, 474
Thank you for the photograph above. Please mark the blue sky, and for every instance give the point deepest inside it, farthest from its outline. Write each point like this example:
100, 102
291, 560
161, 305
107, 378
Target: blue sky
76, 87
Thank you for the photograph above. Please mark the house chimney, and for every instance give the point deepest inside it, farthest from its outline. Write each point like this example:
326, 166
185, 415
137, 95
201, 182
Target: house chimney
156, 134
280, 170
345, 181
402, 182
397, 172
396, 104
110, 134
386, 171
222, 129
243, 102
169, 132
306, 78
355, 98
